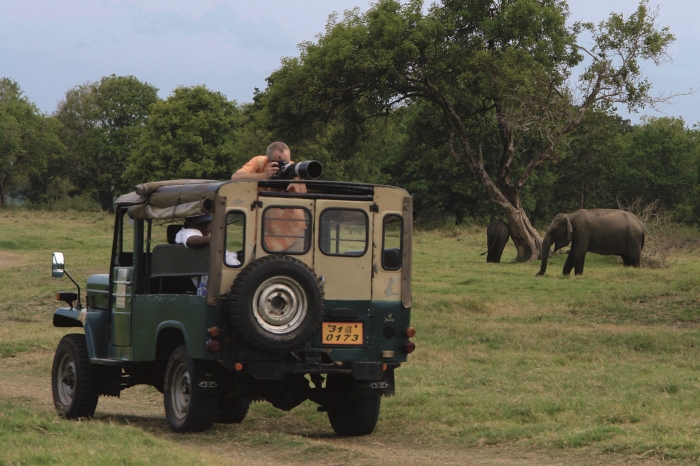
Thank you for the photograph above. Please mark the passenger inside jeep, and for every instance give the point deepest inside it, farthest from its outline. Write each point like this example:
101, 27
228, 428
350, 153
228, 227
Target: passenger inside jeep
182, 265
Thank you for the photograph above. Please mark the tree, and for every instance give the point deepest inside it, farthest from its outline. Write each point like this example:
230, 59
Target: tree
191, 134
498, 67
102, 124
586, 175
27, 140
660, 163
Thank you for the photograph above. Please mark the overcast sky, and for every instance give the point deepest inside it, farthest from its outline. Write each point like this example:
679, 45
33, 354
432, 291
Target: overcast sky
231, 46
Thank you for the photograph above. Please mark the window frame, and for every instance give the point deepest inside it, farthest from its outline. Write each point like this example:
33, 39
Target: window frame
320, 239
245, 221
384, 223
307, 236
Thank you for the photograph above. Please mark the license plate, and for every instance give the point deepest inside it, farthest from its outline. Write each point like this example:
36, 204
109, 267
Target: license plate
342, 333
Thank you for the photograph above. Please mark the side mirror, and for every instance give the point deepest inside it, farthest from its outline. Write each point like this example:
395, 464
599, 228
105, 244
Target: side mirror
57, 264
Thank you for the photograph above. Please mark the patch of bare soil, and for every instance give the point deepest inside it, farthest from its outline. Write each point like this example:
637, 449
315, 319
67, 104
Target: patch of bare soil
10, 259
26, 379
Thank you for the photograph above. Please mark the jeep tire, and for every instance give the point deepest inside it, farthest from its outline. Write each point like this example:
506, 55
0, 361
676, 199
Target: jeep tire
73, 380
232, 409
351, 415
276, 303
186, 408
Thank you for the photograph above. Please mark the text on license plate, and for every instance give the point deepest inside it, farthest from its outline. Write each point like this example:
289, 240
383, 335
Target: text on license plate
342, 333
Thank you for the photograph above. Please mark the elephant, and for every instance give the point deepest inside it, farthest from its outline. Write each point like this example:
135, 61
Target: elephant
497, 234
609, 232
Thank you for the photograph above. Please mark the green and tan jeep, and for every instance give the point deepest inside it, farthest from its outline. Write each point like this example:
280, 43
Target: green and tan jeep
308, 296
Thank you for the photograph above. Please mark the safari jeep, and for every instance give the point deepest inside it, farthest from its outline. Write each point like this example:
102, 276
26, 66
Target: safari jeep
327, 320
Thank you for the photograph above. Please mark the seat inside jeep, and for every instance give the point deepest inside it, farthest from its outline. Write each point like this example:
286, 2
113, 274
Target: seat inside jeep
174, 265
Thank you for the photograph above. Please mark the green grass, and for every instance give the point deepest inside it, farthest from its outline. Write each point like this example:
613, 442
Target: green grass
605, 363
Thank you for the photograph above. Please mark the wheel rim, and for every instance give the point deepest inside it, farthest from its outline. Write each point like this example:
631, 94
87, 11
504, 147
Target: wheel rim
180, 392
66, 380
280, 305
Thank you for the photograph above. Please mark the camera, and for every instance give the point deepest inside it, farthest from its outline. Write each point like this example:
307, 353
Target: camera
307, 170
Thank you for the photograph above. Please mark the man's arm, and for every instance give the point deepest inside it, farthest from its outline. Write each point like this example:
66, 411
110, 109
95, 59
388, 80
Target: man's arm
296, 187
197, 241
249, 172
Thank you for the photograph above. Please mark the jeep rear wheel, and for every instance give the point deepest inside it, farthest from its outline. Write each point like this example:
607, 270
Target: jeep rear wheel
73, 381
186, 409
276, 303
350, 415
232, 409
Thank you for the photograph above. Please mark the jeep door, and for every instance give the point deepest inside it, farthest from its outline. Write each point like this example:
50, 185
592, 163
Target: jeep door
343, 249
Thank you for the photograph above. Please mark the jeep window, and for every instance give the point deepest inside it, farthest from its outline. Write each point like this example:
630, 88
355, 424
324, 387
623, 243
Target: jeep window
125, 242
235, 238
391, 242
286, 229
343, 232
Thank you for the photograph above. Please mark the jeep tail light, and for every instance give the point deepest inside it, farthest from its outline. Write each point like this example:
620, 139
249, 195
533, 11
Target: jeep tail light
213, 346
238, 366
214, 331
410, 332
409, 347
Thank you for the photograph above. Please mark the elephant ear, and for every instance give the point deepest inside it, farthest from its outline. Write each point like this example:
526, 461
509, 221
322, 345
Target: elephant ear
569, 229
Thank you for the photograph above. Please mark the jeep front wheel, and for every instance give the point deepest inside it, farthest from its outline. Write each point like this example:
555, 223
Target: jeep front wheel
186, 409
73, 378
276, 303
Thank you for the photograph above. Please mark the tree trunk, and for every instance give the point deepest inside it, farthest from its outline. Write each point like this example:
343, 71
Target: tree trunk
106, 201
527, 241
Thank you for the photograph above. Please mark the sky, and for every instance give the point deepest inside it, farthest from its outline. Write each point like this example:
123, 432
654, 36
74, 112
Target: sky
231, 46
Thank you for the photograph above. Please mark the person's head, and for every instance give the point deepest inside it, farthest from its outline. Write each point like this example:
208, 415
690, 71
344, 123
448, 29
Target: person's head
278, 151
199, 222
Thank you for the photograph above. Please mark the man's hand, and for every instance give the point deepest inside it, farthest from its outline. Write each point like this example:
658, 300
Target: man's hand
296, 187
271, 170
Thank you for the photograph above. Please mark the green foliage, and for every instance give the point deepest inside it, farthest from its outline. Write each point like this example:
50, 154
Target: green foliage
192, 134
660, 163
496, 75
102, 123
29, 146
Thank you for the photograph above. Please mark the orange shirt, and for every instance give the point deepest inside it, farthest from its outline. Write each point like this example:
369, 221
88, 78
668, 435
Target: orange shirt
257, 164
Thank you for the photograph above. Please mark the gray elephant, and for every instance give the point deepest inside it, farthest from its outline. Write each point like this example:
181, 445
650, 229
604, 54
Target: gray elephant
609, 232
497, 234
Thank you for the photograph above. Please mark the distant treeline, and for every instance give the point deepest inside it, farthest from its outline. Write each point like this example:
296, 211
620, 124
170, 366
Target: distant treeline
474, 111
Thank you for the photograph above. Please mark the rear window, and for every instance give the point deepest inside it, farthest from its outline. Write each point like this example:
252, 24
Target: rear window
343, 232
287, 230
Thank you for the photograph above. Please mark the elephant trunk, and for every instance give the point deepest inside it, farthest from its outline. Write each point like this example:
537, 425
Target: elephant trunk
546, 243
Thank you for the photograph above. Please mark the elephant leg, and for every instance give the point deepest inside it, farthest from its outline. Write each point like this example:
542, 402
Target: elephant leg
626, 260
636, 259
569, 264
499, 250
578, 268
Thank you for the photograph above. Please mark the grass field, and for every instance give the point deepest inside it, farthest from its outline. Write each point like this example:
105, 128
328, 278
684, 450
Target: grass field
509, 368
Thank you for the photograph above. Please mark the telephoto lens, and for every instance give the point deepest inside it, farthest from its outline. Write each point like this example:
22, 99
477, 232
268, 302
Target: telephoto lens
306, 170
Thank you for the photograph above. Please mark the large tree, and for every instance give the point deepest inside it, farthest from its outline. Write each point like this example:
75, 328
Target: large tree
500, 67
102, 123
28, 140
191, 134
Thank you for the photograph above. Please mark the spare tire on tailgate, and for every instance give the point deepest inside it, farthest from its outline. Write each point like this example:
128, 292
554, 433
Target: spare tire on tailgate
276, 303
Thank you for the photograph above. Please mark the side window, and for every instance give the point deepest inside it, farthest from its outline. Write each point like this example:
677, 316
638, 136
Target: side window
343, 232
125, 241
235, 239
391, 242
287, 230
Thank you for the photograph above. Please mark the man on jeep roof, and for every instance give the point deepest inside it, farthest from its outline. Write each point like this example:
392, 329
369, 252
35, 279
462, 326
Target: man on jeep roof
264, 167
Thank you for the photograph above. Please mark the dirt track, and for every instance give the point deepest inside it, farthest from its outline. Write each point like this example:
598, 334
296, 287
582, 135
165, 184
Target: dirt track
25, 379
